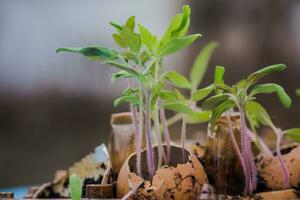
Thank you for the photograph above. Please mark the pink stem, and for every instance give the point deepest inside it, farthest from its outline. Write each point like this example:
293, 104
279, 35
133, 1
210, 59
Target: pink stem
166, 133
236, 147
183, 136
282, 164
150, 156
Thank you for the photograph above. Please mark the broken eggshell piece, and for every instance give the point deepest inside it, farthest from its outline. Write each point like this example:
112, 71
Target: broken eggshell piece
177, 180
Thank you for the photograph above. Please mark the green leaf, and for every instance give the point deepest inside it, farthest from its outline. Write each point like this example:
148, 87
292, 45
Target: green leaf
202, 93
93, 53
156, 89
177, 79
119, 40
179, 96
270, 88
75, 187
176, 44
131, 71
298, 92
219, 74
120, 74
293, 134
201, 63
198, 117
178, 26
218, 111
241, 84
257, 114
116, 26
130, 23
133, 39
213, 101
128, 98
168, 96
254, 77
147, 38
178, 107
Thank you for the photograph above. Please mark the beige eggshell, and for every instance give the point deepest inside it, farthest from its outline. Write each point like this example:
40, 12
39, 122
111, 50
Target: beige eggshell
181, 181
270, 170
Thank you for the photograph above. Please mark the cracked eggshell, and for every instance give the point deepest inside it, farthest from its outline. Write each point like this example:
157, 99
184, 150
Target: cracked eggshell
177, 181
270, 170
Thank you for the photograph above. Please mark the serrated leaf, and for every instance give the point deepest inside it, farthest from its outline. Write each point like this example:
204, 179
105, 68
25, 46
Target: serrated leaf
75, 187
177, 79
198, 117
128, 98
271, 88
93, 53
257, 114
201, 63
119, 40
202, 93
254, 77
293, 134
120, 74
147, 38
176, 44
178, 107
214, 101
130, 23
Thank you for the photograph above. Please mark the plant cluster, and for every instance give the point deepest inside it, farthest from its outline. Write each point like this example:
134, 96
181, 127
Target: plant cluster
140, 60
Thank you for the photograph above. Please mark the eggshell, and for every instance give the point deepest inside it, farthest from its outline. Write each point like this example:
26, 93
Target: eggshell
177, 181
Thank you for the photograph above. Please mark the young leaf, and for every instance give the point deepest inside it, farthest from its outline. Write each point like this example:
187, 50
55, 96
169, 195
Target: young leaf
133, 39
119, 40
75, 187
198, 117
168, 96
130, 23
93, 53
270, 88
156, 89
254, 77
147, 38
213, 101
127, 69
201, 63
120, 74
128, 98
298, 92
177, 79
118, 27
219, 110
257, 114
176, 44
178, 25
178, 107
179, 96
202, 93
219, 74
293, 134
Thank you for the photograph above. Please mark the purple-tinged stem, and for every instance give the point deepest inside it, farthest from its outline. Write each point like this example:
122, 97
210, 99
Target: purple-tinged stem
150, 156
137, 132
161, 153
282, 164
252, 166
262, 145
236, 147
183, 136
166, 133
245, 151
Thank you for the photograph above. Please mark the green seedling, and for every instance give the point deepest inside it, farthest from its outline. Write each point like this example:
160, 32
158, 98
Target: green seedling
242, 96
140, 61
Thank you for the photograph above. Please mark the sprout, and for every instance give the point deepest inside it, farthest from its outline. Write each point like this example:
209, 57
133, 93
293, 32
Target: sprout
242, 97
140, 60
75, 187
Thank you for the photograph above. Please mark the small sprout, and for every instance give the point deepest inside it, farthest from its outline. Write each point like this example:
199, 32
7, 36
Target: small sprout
298, 92
75, 187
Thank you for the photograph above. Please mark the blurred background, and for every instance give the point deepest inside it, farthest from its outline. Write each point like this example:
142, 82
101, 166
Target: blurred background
55, 108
